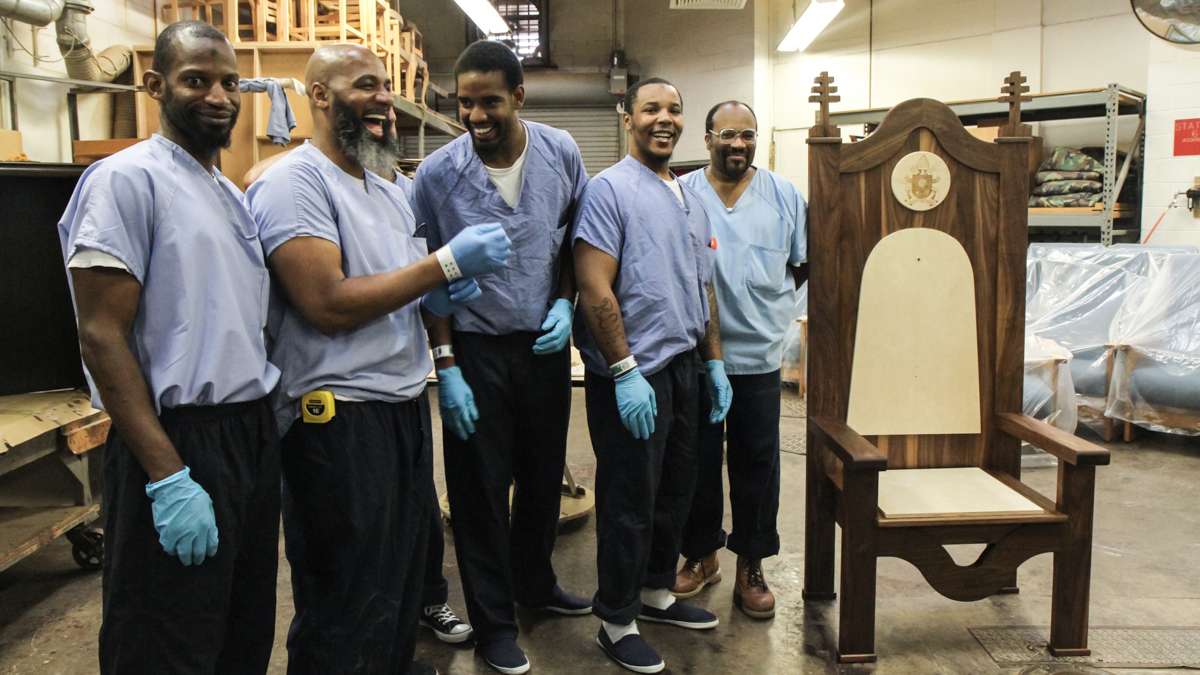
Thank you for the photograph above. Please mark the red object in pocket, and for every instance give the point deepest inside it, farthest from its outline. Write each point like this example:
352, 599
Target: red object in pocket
712, 243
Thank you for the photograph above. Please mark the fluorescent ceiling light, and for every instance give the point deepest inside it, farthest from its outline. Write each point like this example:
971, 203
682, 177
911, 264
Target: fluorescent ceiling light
485, 16
810, 24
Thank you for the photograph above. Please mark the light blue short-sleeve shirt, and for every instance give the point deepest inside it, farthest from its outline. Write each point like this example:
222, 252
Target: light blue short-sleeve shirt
185, 235
306, 195
665, 257
452, 191
760, 237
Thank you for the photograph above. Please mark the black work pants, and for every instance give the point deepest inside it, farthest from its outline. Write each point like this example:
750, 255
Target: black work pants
357, 492
216, 617
751, 432
643, 488
524, 403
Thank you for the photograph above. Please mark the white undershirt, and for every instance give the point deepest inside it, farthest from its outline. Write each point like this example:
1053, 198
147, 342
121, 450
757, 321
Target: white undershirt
674, 185
90, 257
508, 181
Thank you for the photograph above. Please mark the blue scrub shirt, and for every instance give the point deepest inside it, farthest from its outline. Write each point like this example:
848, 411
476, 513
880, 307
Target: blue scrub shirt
760, 237
185, 235
306, 195
665, 258
452, 191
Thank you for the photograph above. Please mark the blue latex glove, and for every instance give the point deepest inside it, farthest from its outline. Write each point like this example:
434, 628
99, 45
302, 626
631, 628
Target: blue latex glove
447, 298
719, 390
456, 402
184, 518
636, 404
480, 249
557, 326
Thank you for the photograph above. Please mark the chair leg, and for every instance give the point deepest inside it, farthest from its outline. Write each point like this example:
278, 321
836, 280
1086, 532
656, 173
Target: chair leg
1070, 593
856, 623
820, 516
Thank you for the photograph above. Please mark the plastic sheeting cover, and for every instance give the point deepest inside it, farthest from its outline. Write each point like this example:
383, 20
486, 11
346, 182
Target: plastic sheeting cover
1049, 392
1156, 369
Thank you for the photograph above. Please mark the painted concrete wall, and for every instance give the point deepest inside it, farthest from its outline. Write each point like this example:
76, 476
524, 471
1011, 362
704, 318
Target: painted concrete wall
953, 50
1174, 93
42, 106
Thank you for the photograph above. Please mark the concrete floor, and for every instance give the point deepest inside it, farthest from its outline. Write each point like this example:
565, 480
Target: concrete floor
1147, 540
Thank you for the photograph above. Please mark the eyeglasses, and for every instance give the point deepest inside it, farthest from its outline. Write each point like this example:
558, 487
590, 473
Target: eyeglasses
727, 135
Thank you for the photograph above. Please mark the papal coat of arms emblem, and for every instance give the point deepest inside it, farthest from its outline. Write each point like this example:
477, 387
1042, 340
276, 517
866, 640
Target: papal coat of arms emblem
921, 180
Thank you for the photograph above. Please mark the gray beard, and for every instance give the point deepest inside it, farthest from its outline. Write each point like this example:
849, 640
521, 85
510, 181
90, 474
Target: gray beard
379, 159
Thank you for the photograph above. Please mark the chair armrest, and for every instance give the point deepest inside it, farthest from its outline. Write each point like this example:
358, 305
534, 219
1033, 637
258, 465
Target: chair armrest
855, 452
1067, 447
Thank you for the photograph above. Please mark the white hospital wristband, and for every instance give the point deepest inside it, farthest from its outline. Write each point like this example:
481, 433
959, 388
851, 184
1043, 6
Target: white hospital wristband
442, 352
623, 366
449, 264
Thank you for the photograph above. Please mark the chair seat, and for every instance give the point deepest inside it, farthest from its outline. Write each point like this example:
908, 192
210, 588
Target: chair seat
948, 493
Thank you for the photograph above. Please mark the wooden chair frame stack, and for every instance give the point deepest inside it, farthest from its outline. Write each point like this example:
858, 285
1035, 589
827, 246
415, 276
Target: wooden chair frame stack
852, 208
314, 22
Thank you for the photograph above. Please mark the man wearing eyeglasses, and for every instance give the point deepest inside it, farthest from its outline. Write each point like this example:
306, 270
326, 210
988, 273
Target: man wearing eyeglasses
759, 218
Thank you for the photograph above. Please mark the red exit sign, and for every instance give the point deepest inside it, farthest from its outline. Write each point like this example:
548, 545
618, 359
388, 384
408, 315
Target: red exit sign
1187, 137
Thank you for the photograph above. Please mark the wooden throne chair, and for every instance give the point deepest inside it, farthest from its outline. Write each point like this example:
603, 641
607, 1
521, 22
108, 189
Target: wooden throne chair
916, 332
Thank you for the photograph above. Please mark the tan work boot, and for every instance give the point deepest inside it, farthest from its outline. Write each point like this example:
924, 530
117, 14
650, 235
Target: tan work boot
695, 575
750, 593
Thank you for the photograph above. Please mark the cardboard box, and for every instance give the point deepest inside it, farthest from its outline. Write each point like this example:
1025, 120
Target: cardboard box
10, 145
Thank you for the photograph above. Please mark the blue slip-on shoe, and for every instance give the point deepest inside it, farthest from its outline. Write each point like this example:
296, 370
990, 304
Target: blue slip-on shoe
562, 602
504, 656
680, 614
631, 653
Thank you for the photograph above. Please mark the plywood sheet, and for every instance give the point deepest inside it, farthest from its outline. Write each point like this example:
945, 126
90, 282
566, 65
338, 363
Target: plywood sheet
27, 416
916, 358
937, 492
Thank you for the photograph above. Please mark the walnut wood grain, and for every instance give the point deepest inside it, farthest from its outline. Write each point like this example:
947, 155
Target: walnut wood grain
855, 452
1067, 447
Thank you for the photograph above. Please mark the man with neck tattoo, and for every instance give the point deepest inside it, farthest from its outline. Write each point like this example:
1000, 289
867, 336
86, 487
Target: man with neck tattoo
170, 291
759, 218
347, 335
504, 374
644, 259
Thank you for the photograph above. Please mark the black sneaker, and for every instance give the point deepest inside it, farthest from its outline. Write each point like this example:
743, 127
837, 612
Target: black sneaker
422, 668
631, 653
445, 624
680, 614
504, 656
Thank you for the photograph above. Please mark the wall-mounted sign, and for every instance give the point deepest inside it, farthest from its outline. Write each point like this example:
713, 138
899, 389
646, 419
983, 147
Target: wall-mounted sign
1187, 137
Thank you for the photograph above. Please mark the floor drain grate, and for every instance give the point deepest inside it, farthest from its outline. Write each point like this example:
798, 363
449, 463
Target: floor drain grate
1112, 646
792, 443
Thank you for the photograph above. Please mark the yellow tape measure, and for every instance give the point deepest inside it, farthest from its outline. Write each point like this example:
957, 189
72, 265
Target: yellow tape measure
317, 407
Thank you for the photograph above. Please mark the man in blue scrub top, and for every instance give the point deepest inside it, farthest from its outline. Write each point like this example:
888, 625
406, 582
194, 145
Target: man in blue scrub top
758, 217
504, 372
170, 291
644, 259
358, 488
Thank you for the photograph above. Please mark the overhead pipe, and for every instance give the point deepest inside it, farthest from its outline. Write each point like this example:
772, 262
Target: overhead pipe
36, 12
76, 47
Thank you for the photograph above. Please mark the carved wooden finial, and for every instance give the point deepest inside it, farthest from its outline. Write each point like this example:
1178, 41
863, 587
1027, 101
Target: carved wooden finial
824, 93
1014, 93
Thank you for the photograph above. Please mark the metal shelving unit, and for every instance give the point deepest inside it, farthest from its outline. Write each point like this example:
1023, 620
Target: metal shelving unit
1110, 103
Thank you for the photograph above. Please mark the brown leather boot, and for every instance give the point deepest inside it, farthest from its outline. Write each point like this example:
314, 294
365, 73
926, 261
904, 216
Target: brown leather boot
750, 593
695, 575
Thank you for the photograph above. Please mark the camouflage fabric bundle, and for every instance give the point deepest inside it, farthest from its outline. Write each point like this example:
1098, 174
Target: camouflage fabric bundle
1066, 187
1074, 199
1070, 159
1048, 176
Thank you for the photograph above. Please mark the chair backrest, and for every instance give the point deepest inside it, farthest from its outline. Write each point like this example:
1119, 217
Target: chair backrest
972, 192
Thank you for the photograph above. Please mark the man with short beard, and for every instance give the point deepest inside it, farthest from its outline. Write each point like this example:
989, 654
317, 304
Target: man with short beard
644, 258
758, 217
504, 375
347, 336
170, 291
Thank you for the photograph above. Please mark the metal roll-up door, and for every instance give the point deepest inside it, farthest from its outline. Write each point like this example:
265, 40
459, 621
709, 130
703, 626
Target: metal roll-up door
594, 129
